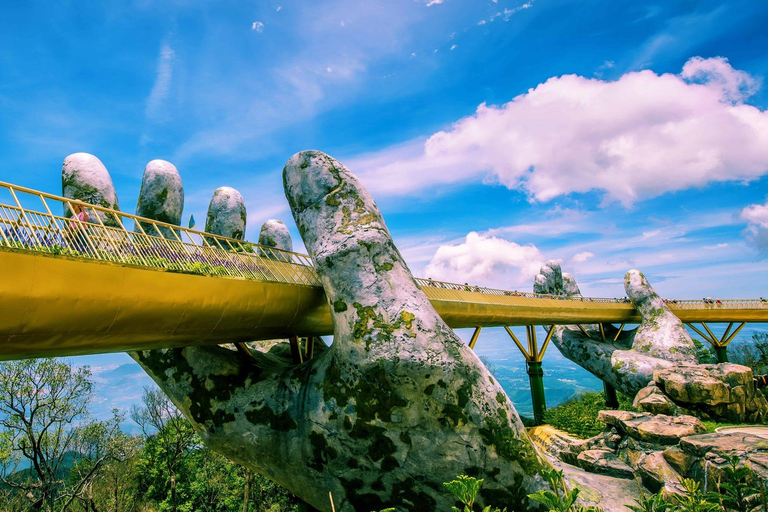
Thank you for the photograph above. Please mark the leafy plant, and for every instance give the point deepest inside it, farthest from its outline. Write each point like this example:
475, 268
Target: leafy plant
465, 489
560, 498
694, 500
737, 491
649, 502
578, 415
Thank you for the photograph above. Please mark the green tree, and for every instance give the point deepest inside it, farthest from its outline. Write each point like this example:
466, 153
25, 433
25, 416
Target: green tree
44, 422
169, 436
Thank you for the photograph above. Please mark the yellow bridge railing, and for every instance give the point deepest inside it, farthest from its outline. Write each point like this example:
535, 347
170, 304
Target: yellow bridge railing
27, 222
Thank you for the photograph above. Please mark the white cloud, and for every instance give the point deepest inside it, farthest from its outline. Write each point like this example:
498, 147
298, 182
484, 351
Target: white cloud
434, 2
756, 216
279, 8
453, 47
735, 85
162, 85
582, 256
509, 12
481, 22
257, 26
633, 138
485, 260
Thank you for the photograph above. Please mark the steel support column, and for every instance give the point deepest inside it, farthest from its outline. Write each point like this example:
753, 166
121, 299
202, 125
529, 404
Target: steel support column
611, 400
536, 377
533, 357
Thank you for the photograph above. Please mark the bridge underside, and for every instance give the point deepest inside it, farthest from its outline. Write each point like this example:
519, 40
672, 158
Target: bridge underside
54, 305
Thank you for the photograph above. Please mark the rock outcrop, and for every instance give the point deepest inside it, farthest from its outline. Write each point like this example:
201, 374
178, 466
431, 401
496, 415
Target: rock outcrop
226, 214
626, 361
161, 196
395, 407
659, 449
722, 392
84, 177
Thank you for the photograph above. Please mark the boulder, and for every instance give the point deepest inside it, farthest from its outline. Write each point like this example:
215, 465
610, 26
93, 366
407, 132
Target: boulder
652, 399
226, 214
161, 197
552, 441
657, 429
714, 391
84, 178
657, 474
604, 462
396, 406
625, 360
678, 460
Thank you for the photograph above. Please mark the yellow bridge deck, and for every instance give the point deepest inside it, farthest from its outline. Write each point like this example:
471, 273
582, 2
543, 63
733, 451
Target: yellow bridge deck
70, 288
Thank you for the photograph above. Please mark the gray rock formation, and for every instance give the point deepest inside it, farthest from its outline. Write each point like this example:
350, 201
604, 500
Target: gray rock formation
629, 362
661, 450
395, 407
161, 196
84, 177
274, 233
724, 392
226, 214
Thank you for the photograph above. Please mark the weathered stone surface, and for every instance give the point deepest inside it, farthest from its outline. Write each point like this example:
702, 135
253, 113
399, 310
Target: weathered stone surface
604, 462
84, 177
394, 408
652, 399
161, 196
611, 494
654, 428
656, 474
678, 460
274, 233
718, 391
628, 362
723, 443
226, 214
553, 441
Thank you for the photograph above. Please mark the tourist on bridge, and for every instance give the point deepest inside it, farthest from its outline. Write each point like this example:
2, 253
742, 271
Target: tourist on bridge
76, 232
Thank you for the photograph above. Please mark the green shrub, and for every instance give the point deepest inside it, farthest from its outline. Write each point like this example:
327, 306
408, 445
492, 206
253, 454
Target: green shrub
578, 414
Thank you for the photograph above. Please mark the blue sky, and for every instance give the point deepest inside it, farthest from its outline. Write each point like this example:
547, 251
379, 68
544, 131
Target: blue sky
494, 135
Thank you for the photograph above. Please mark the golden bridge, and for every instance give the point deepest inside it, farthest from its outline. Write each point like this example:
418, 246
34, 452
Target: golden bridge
120, 282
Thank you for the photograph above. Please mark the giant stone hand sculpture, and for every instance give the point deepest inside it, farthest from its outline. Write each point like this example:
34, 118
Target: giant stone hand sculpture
394, 408
627, 363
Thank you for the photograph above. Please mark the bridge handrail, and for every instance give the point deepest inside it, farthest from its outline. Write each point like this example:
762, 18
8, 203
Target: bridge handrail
151, 243
672, 303
159, 244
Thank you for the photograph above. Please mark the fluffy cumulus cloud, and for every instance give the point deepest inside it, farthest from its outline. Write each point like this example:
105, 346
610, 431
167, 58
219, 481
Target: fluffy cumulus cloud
756, 216
633, 138
486, 260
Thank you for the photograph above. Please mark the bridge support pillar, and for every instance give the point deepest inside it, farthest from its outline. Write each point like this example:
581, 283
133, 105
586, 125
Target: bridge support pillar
611, 400
721, 351
533, 357
536, 378
720, 345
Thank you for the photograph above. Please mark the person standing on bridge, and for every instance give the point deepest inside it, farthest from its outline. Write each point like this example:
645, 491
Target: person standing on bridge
77, 229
